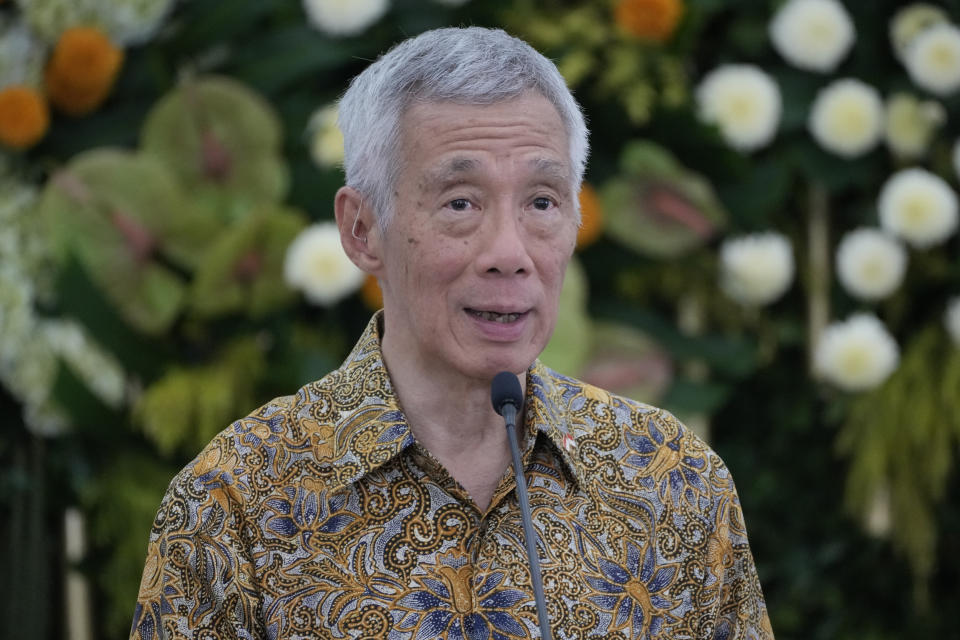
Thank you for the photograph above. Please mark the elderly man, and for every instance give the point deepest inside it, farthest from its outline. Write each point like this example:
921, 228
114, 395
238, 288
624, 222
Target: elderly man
378, 502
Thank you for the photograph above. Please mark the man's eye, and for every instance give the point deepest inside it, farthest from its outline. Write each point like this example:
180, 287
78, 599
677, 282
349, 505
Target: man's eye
459, 204
542, 204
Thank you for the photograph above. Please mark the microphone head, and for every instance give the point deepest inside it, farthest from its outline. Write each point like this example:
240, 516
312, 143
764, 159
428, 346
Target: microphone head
505, 389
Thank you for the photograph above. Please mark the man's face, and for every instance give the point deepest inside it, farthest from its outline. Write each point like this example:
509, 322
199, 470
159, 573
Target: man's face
474, 259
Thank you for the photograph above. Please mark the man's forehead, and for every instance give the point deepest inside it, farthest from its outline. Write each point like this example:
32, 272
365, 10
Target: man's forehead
462, 167
459, 165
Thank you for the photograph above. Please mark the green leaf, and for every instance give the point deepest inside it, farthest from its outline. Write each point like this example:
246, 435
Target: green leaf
80, 298
733, 355
757, 199
185, 408
284, 57
834, 172
206, 22
118, 213
243, 270
86, 411
749, 35
216, 132
691, 396
798, 90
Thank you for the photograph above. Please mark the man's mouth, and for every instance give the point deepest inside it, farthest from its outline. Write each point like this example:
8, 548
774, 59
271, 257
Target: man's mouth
493, 316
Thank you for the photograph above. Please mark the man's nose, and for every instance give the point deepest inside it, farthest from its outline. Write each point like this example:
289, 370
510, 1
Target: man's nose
505, 248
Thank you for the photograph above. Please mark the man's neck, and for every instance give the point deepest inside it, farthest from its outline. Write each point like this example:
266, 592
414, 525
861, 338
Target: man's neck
453, 419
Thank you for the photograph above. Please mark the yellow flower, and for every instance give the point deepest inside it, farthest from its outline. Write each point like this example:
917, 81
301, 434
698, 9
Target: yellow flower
24, 117
81, 70
654, 20
591, 217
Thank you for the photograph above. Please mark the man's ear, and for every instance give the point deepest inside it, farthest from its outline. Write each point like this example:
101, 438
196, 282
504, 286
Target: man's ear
359, 231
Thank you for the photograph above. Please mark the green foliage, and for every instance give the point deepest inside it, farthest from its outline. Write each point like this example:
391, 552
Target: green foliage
112, 209
185, 408
593, 54
242, 271
216, 131
903, 439
202, 150
125, 498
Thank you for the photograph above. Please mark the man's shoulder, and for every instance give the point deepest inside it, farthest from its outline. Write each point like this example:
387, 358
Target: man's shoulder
315, 427
585, 404
647, 443
278, 426
225, 460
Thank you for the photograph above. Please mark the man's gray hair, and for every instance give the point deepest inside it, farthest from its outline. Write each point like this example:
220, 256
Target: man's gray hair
474, 66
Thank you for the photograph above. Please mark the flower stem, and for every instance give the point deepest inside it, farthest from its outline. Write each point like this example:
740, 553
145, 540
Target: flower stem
818, 255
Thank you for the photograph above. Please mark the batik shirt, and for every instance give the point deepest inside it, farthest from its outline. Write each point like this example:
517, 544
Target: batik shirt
320, 516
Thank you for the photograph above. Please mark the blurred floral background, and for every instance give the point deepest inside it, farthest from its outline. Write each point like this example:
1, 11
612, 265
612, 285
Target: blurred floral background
769, 249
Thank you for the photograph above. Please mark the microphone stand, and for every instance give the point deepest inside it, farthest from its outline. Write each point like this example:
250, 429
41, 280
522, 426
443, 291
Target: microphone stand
509, 412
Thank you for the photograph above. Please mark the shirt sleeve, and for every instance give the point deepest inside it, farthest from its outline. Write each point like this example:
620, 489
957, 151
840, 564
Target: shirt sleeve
741, 611
199, 579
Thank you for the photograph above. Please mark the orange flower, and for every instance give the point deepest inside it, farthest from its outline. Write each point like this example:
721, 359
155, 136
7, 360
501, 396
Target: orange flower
653, 20
370, 293
24, 117
81, 70
591, 216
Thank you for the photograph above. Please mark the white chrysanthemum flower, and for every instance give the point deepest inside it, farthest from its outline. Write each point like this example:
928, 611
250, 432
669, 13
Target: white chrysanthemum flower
812, 34
97, 368
858, 354
918, 206
911, 21
847, 117
951, 318
744, 101
344, 17
870, 264
317, 265
933, 59
126, 22
756, 269
910, 124
22, 55
326, 139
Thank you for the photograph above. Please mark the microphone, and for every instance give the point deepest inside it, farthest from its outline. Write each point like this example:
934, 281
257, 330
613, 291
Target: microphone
507, 398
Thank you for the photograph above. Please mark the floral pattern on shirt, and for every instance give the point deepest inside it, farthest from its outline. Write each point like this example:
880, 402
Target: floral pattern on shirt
320, 516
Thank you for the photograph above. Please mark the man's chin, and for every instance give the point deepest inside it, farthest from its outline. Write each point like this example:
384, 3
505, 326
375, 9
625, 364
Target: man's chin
514, 361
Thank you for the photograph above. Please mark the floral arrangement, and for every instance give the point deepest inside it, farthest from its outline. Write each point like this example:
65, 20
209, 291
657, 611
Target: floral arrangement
817, 119
771, 188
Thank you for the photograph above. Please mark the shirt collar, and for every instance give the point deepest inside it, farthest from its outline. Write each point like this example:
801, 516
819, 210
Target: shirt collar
352, 415
356, 425
548, 396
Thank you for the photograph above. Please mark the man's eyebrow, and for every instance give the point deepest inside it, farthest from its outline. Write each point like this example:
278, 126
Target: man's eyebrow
551, 168
450, 170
